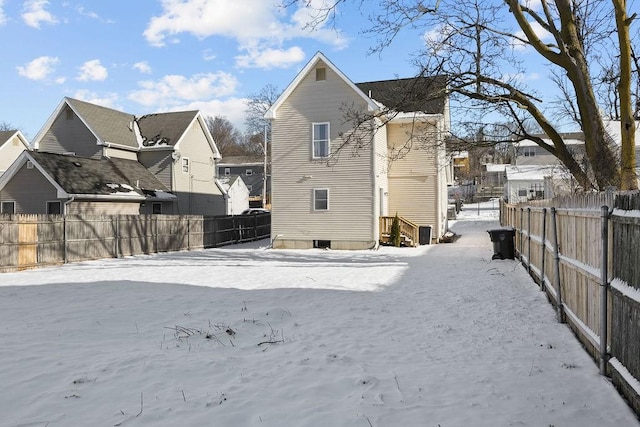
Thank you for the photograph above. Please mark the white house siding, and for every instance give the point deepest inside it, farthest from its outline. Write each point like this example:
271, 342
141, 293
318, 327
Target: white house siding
238, 199
197, 191
30, 190
103, 208
120, 154
349, 223
414, 181
70, 135
9, 152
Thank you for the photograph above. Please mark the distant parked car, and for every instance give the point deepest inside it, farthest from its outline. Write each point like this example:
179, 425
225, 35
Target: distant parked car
253, 211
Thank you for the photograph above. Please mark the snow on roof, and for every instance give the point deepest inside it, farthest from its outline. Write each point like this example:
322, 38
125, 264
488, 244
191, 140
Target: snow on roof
530, 143
496, 167
529, 172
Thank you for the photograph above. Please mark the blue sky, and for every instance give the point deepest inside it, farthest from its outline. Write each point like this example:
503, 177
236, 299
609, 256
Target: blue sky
148, 56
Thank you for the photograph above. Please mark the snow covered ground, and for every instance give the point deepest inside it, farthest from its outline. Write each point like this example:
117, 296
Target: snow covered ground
438, 335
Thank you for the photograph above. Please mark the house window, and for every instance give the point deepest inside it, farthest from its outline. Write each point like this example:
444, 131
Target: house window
54, 208
522, 192
156, 208
321, 199
185, 165
320, 140
321, 74
537, 191
248, 172
227, 171
529, 151
8, 207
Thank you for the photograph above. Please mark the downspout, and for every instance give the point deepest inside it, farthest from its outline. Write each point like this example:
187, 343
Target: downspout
66, 205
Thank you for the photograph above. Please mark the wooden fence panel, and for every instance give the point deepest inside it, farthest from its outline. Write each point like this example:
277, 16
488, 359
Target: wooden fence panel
51, 240
9, 230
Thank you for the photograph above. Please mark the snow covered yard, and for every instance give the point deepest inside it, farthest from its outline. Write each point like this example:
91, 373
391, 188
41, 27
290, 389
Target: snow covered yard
247, 336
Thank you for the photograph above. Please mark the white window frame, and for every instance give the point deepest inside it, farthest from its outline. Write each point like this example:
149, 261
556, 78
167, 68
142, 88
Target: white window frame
7, 202
315, 199
186, 163
320, 141
248, 172
529, 151
51, 202
227, 171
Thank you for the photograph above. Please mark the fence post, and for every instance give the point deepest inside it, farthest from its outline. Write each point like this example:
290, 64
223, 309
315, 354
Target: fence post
544, 247
521, 232
556, 258
155, 222
529, 240
604, 285
188, 233
64, 238
117, 236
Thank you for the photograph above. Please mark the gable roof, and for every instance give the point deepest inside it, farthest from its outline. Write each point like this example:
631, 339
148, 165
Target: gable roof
6, 135
165, 128
92, 178
113, 127
417, 94
318, 57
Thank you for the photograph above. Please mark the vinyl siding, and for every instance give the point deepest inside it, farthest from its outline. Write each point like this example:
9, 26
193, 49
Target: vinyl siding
121, 154
30, 190
351, 194
160, 164
70, 135
197, 191
103, 208
413, 179
9, 152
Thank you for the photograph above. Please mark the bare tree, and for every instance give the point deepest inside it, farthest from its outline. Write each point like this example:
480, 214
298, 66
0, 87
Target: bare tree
227, 138
468, 42
5, 126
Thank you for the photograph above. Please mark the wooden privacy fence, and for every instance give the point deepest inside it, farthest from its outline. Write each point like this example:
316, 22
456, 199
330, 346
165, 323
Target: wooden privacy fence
28, 241
583, 252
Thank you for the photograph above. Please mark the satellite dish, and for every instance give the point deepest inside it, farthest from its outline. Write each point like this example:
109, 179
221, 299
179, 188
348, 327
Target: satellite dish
175, 155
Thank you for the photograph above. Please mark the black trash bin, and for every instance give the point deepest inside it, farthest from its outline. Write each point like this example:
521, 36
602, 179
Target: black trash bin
424, 235
503, 246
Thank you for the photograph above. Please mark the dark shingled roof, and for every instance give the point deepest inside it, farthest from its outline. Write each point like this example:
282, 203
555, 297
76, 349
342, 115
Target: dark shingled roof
110, 125
5, 135
417, 94
78, 175
240, 160
164, 128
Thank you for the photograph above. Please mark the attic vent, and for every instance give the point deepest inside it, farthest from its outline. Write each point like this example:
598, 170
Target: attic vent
77, 164
321, 74
29, 164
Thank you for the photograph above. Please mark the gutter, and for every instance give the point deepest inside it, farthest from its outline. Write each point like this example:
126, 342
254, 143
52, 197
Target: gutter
67, 203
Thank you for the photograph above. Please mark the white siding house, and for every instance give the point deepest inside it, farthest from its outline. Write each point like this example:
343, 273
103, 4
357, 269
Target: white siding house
332, 180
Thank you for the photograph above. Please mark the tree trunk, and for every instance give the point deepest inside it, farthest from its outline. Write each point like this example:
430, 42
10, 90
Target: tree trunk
628, 179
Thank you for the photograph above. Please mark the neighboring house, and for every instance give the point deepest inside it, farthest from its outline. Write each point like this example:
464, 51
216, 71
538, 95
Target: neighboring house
12, 144
612, 127
322, 197
251, 169
176, 147
527, 152
48, 183
532, 182
236, 194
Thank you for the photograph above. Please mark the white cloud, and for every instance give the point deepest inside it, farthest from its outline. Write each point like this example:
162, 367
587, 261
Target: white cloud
233, 109
542, 34
93, 15
251, 23
143, 67
39, 69
34, 13
109, 100
92, 71
271, 58
173, 90
3, 17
